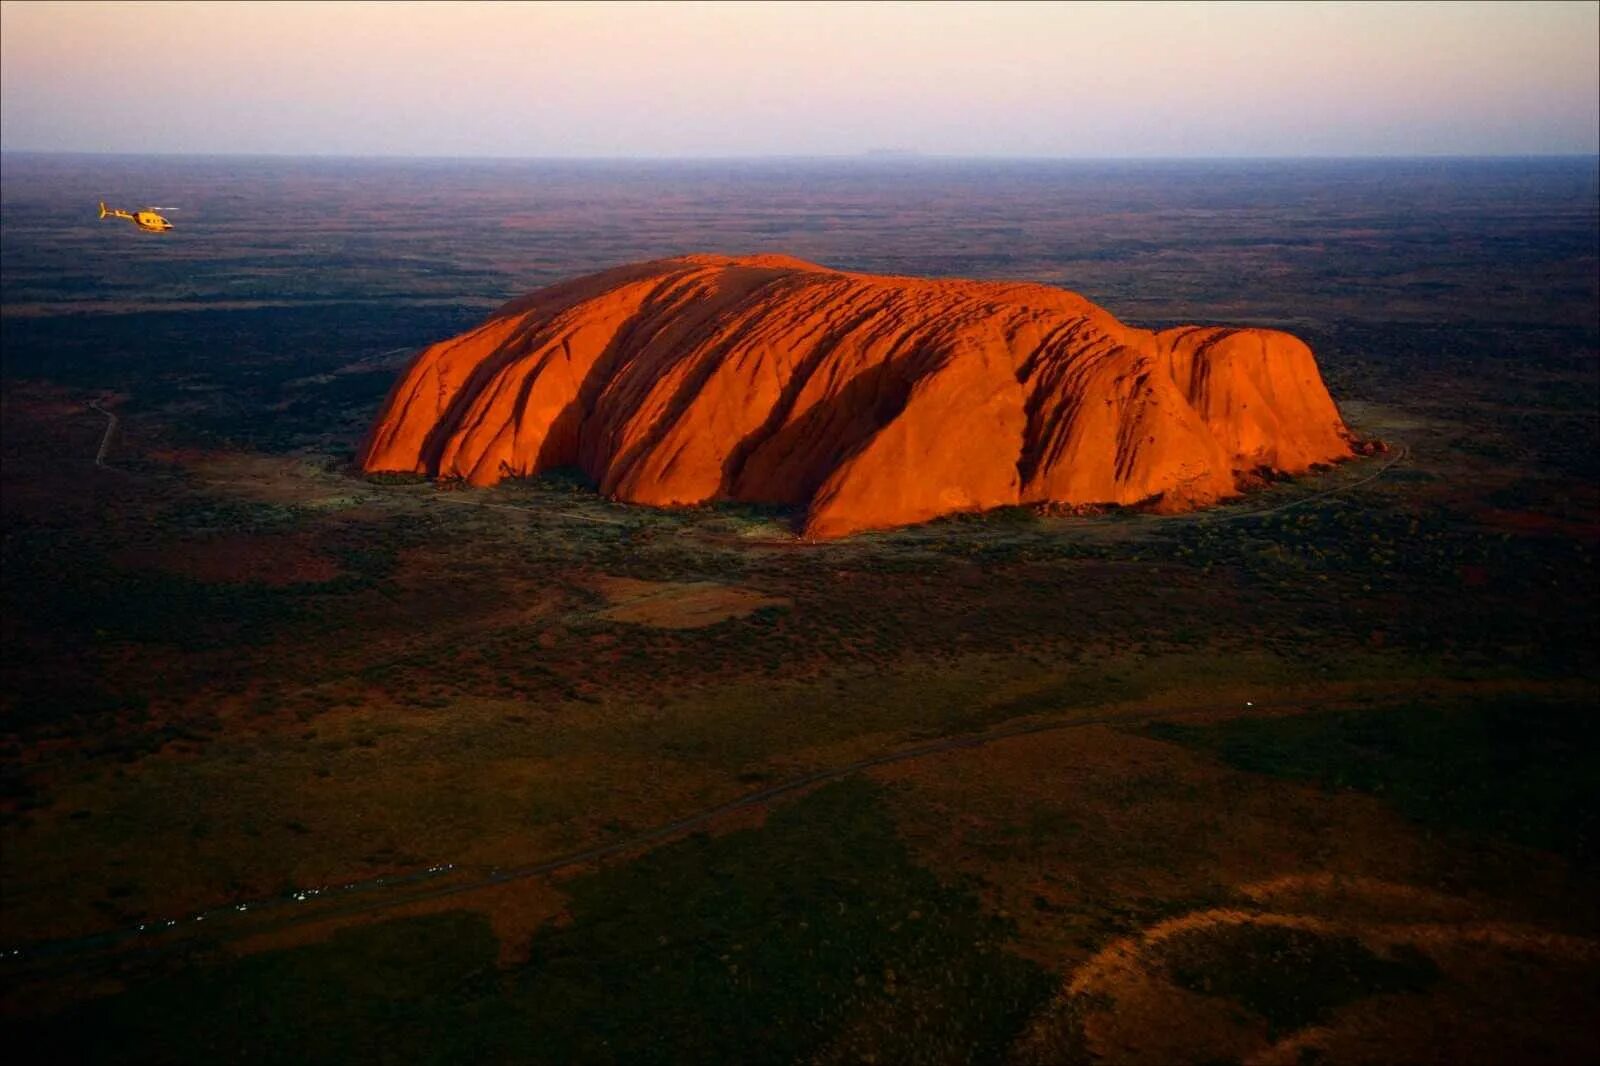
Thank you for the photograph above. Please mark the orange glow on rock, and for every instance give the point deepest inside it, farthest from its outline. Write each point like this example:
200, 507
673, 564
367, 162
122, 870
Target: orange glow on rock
870, 401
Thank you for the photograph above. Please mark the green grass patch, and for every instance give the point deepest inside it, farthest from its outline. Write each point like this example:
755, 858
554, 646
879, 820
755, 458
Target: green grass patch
395, 477
1513, 767
768, 945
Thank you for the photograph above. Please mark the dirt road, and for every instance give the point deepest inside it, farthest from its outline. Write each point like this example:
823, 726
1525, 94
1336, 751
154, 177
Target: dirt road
105, 441
237, 919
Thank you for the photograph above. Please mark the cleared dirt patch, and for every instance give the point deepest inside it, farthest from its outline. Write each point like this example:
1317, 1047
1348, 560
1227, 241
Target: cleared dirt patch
1536, 524
679, 604
238, 559
289, 480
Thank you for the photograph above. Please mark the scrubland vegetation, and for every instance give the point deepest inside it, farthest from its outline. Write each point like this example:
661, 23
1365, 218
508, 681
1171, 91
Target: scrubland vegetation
1323, 780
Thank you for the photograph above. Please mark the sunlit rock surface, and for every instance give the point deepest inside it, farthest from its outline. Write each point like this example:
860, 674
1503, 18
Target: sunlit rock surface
869, 401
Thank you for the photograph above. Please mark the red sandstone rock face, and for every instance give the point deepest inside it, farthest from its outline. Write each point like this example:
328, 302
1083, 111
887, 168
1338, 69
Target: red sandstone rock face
869, 401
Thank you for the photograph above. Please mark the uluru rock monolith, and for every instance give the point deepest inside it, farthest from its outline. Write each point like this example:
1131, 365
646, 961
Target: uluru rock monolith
869, 401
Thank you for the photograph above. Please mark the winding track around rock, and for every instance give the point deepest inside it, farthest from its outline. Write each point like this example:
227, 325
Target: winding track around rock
1402, 451
1213, 515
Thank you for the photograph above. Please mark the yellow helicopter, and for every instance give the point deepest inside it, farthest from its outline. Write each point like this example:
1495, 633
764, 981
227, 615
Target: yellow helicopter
145, 219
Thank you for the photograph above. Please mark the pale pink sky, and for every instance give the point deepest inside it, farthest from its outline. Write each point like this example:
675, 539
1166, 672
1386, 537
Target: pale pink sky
1084, 80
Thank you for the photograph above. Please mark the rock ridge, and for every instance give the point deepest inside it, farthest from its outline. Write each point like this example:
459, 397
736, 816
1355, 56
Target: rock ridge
869, 401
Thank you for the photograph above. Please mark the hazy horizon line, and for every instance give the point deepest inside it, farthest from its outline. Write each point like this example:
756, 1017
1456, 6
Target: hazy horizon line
871, 156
